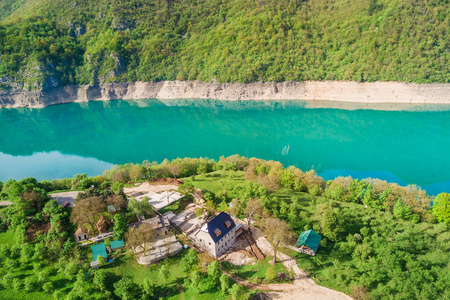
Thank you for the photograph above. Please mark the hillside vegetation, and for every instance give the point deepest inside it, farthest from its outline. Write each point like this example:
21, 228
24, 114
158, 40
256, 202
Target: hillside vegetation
379, 240
46, 43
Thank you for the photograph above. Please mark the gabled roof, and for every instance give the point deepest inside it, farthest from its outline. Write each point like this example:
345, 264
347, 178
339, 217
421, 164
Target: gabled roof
309, 238
117, 244
218, 222
99, 250
80, 231
102, 225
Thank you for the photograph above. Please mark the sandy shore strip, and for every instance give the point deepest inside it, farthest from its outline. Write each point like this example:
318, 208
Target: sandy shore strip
340, 91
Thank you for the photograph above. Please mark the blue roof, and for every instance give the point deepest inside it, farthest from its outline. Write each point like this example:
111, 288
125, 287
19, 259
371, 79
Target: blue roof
309, 238
218, 222
117, 244
99, 250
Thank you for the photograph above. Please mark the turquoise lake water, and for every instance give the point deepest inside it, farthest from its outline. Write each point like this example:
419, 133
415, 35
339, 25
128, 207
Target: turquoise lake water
63, 140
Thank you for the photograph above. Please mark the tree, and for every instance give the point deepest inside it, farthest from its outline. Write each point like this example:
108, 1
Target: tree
402, 211
278, 233
7, 280
237, 207
140, 237
237, 292
214, 272
190, 261
100, 280
139, 207
118, 201
17, 284
29, 283
26, 254
48, 287
120, 227
164, 273
87, 211
224, 284
330, 224
174, 169
135, 172
270, 182
441, 207
126, 289
149, 287
252, 209
195, 279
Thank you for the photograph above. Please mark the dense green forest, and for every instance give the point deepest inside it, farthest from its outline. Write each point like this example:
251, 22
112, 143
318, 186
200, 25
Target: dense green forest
47, 43
380, 240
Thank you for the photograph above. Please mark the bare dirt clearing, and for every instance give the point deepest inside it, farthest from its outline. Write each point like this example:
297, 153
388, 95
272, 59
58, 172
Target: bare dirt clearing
64, 197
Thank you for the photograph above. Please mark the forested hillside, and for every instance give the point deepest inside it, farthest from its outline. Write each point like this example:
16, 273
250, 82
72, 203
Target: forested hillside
46, 43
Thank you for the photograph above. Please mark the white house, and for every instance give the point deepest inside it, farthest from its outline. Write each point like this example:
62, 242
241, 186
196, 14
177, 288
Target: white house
217, 235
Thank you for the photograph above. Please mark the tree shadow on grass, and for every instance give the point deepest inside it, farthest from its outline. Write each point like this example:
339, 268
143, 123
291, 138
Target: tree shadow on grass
115, 263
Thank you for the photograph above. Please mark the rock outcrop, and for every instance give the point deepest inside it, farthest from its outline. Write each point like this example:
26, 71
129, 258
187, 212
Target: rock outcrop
375, 92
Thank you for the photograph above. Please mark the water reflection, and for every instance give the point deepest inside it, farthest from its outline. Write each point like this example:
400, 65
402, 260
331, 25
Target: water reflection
401, 146
48, 165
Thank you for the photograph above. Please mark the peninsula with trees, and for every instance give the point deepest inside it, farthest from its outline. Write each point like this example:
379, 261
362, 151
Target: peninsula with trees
143, 231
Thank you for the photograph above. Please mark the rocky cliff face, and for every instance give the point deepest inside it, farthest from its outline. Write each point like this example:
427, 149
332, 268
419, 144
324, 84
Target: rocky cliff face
376, 92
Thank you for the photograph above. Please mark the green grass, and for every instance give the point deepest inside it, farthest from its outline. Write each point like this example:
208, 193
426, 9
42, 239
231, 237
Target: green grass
127, 265
254, 272
218, 181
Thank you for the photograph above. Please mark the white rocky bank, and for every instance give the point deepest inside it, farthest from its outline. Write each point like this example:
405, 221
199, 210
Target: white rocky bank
374, 92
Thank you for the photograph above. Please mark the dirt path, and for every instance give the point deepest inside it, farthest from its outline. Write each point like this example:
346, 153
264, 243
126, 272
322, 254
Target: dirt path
5, 203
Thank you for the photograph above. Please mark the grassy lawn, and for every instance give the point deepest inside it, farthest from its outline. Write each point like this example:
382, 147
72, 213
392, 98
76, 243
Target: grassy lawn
127, 265
254, 272
218, 181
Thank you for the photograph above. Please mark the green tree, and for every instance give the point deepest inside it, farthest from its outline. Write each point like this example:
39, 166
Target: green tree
29, 283
164, 273
120, 227
214, 272
441, 207
330, 224
237, 292
402, 211
149, 287
224, 284
190, 261
48, 287
126, 289
17, 284
100, 280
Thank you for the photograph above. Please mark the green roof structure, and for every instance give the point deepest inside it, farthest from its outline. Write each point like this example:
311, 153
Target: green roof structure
111, 208
310, 239
117, 244
99, 250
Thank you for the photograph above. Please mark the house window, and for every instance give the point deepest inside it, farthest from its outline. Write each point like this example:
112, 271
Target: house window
225, 244
210, 243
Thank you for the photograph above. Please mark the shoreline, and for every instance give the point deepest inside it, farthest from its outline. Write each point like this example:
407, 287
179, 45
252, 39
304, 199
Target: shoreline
366, 93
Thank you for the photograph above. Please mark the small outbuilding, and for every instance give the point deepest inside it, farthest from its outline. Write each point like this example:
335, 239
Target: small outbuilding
116, 245
308, 242
99, 250
81, 235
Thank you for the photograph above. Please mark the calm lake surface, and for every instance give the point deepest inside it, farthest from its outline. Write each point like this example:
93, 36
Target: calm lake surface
408, 147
